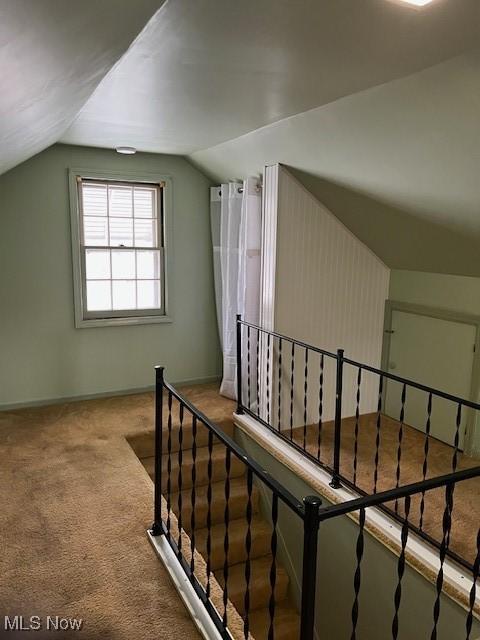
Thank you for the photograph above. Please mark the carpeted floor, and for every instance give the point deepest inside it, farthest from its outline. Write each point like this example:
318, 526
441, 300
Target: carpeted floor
75, 505
465, 520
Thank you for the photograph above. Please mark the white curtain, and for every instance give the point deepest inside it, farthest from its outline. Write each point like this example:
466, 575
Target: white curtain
237, 265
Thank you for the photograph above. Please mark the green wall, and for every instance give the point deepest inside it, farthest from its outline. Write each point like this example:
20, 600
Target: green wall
43, 356
456, 293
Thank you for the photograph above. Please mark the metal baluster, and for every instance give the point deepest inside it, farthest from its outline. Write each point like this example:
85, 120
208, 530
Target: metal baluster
305, 394
273, 569
239, 410
358, 575
426, 448
400, 438
291, 389
157, 526
279, 425
209, 511
473, 590
357, 423
248, 547
311, 525
447, 523
377, 439
193, 495
320, 407
169, 463
248, 371
180, 480
451, 511
457, 437
401, 568
226, 541
337, 438
268, 378
258, 372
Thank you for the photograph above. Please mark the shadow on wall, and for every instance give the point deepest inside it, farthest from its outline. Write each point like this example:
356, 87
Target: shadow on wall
400, 239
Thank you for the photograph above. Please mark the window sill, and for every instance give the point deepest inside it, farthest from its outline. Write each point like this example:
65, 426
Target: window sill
117, 322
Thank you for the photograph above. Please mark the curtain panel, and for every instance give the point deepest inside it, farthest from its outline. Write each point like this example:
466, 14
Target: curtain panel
236, 214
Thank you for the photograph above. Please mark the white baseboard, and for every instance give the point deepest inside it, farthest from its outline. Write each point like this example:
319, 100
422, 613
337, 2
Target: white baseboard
10, 406
182, 584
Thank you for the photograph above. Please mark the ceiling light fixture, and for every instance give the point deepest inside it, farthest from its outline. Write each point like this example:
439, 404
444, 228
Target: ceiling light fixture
418, 3
126, 150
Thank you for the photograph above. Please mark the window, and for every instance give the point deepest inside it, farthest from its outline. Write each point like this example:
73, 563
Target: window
121, 257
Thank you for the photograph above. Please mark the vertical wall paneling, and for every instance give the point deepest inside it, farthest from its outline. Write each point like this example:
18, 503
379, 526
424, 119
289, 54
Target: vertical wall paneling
329, 291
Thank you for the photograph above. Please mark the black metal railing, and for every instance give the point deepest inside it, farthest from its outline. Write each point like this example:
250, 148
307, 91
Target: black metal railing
200, 472
370, 429
187, 506
360, 508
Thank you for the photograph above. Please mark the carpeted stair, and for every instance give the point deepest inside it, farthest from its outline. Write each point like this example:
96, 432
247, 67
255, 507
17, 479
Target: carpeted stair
286, 617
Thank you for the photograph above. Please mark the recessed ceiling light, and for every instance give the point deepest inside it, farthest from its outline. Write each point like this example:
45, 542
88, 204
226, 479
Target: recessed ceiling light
418, 3
126, 150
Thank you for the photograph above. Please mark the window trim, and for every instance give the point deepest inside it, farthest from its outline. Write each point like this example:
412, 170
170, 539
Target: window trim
144, 316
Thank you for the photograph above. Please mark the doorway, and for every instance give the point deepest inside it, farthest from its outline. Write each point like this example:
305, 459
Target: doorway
434, 348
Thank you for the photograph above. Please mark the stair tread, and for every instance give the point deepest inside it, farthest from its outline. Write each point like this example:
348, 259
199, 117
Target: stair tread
286, 623
259, 585
237, 529
144, 443
237, 468
237, 502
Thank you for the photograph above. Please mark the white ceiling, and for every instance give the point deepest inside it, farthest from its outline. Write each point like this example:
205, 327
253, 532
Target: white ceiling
53, 53
373, 102
399, 164
206, 71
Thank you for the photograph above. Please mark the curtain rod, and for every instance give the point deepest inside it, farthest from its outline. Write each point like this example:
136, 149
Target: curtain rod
241, 189
257, 188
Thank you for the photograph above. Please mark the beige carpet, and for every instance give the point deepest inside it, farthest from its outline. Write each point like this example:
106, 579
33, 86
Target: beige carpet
466, 510
75, 505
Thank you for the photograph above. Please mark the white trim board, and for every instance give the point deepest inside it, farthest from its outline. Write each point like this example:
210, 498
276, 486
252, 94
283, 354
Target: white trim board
182, 584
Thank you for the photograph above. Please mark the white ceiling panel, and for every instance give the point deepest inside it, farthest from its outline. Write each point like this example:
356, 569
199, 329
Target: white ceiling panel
205, 71
53, 54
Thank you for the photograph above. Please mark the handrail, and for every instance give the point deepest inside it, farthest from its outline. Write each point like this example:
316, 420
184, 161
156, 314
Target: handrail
288, 498
340, 476
416, 385
283, 337
377, 499
306, 511
366, 367
310, 512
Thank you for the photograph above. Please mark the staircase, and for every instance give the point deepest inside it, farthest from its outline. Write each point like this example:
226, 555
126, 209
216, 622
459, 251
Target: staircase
287, 623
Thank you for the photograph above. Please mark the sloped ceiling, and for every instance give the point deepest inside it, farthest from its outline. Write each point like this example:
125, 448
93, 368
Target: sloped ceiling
53, 54
398, 164
373, 104
207, 71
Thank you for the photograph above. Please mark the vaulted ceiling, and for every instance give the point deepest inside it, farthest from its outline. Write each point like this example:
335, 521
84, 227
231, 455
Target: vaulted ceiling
53, 54
206, 71
374, 104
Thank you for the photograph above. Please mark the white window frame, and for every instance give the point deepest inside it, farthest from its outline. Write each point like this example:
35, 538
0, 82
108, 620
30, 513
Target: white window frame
84, 318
